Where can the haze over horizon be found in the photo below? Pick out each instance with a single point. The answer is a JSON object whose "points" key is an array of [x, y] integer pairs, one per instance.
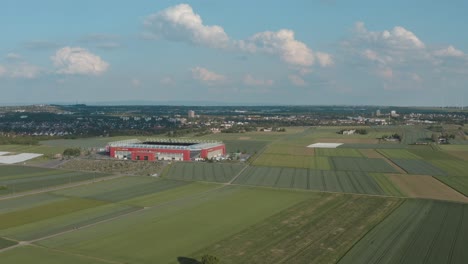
{"points": [[271, 52]]}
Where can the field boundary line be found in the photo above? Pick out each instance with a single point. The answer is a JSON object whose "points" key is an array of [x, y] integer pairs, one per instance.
{"points": [[436, 178], [60, 187], [393, 164]]}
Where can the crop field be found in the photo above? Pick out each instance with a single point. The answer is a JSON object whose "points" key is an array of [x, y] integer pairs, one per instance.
{"points": [[383, 145], [306, 232], [417, 232], [431, 154], [419, 167], [330, 181], [286, 149], [399, 154], [454, 147], [244, 146], [387, 185], [412, 135], [188, 224], [459, 154], [361, 164], [201, 171], [137, 186], [423, 186], [4, 243], [280, 160], [19, 178], [337, 152], [40, 255], [452, 167], [458, 183]]}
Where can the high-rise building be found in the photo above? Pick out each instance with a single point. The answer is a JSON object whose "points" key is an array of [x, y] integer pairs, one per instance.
{"points": [[191, 114], [378, 113]]}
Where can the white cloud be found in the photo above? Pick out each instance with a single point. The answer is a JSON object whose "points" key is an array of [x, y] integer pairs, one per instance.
{"points": [[19, 69], [251, 81], [13, 56], [296, 80], [24, 70], [204, 75], [450, 51], [283, 44], [167, 81], [181, 23], [76, 60], [397, 38]]}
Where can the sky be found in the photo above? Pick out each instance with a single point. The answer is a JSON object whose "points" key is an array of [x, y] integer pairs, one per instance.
{"points": [[298, 52]]}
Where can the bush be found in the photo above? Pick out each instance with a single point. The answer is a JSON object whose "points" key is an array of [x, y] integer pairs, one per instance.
{"points": [[209, 259], [72, 152]]}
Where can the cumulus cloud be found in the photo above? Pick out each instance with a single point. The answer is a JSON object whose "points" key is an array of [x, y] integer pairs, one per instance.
{"points": [[181, 23], [102, 41], [136, 83], [296, 80], [204, 75], [76, 60], [397, 38], [251, 81], [2, 70], [450, 51], [13, 56]]}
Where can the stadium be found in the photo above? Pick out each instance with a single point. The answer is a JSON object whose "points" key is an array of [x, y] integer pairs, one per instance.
{"points": [[153, 149]]}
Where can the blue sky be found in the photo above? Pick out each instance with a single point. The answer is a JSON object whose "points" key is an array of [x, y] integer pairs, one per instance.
{"points": [[266, 52]]}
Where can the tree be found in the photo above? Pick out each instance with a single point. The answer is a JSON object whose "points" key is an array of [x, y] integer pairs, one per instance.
{"points": [[71, 152], [209, 259]]}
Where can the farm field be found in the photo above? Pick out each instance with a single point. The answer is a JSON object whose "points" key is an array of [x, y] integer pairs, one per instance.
{"points": [[281, 160], [361, 164], [285, 149], [417, 232], [419, 167], [387, 185], [306, 232], [415, 134], [453, 167], [423, 186], [337, 152], [16, 178], [40, 255], [399, 154], [244, 146], [458, 183], [211, 172], [330, 181], [155, 231]]}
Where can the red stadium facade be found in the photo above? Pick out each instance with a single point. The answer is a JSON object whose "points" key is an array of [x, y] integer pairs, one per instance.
{"points": [[166, 149]]}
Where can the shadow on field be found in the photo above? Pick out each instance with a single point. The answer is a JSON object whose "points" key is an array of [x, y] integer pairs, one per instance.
{"points": [[184, 260]]}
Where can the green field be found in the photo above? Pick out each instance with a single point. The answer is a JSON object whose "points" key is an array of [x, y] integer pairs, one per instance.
{"points": [[42, 149], [337, 152], [458, 183], [4, 243], [16, 178], [414, 134], [39, 255], [398, 154], [419, 167], [244, 146], [387, 185], [188, 224], [202, 171], [361, 164], [417, 232], [318, 230], [307, 179], [452, 167], [281, 160]]}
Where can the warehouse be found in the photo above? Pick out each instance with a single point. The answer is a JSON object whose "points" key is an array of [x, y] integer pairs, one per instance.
{"points": [[165, 149]]}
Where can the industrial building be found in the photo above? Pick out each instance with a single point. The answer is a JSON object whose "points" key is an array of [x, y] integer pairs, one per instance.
{"points": [[165, 149]]}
